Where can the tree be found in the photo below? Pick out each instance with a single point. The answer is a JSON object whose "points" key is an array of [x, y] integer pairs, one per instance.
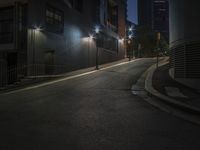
{"points": [[164, 46], [147, 40]]}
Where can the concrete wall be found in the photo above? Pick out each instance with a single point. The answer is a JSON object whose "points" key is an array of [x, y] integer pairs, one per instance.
{"points": [[69, 50], [185, 39], [184, 21]]}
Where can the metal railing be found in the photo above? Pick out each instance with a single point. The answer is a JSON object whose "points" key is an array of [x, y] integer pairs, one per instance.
{"points": [[14, 74]]}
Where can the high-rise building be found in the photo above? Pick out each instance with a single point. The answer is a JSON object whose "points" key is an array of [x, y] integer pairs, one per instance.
{"points": [[161, 17], [154, 14], [145, 13]]}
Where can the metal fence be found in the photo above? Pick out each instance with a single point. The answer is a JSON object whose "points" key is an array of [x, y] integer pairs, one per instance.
{"points": [[14, 74], [3, 73]]}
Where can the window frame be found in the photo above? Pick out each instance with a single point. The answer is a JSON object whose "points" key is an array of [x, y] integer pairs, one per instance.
{"points": [[55, 25], [9, 32]]}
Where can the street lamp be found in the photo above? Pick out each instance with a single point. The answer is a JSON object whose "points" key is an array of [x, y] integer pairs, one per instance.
{"points": [[130, 48], [121, 40], [158, 47], [130, 35], [130, 28], [91, 37], [38, 29], [97, 31], [139, 50]]}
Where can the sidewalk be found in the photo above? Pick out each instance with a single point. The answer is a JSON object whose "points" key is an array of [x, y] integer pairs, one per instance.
{"points": [[34, 80], [160, 85], [168, 95], [164, 84]]}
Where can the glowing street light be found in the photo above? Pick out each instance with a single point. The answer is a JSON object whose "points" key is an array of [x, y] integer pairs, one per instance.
{"points": [[91, 37], [158, 47], [121, 40], [37, 28], [97, 29], [131, 28], [130, 36]]}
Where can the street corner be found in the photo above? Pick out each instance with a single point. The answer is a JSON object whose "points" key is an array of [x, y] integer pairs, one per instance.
{"points": [[177, 98]]}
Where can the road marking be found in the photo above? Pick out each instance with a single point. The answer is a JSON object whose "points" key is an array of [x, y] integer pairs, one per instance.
{"points": [[66, 78]]}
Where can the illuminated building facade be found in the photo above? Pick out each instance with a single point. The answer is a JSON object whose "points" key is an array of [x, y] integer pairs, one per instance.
{"points": [[42, 37]]}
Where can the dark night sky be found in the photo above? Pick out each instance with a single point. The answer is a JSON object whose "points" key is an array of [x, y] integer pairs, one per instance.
{"points": [[132, 10]]}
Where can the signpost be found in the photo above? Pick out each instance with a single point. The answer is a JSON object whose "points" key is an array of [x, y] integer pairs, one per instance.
{"points": [[158, 48]]}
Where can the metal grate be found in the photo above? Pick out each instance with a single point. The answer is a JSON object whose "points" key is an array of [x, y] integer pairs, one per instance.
{"points": [[185, 59], [179, 63], [193, 60], [172, 57]]}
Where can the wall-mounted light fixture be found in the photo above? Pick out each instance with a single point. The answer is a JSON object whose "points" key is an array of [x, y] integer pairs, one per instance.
{"points": [[97, 29], [121, 40], [37, 28], [91, 37]]}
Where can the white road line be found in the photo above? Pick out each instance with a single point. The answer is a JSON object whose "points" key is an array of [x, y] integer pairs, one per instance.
{"points": [[67, 78]]}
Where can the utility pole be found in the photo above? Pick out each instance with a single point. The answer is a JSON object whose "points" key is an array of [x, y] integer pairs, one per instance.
{"points": [[139, 50], [158, 48], [97, 58], [97, 31]]}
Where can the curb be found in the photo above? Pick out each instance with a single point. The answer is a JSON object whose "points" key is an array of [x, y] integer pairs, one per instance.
{"points": [[170, 101], [182, 83]]}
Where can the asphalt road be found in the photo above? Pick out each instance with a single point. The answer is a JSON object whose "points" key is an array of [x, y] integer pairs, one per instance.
{"points": [[92, 112]]}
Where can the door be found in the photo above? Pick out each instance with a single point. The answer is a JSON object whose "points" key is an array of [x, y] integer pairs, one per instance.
{"points": [[3, 69], [12, 67], [49, 63]]}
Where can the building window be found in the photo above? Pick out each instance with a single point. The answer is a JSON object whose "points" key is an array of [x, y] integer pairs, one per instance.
{"points": [[112, 15], [108, 42], [54, 19], [6, 25]]}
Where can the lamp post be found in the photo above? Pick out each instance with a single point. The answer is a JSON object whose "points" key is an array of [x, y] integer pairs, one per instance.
{"points": [[139, 50], [158, 48], [97, 31], [129, 49], [129, 39], [129, 44]]}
